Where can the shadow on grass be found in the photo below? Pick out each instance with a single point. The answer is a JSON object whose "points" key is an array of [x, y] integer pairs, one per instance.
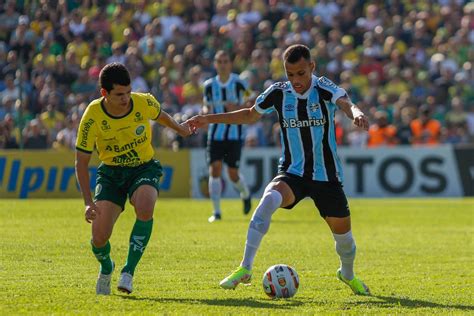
{"points": [[249, 302], [394, 301]]}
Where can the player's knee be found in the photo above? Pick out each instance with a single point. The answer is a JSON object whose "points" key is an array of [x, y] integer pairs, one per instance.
{"points": [[273, 199], [99, 240]]}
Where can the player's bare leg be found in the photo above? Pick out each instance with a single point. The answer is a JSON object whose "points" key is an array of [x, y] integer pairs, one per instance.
{"points": [[346, 249], [143, 199], [215, 189], [102, 226]]}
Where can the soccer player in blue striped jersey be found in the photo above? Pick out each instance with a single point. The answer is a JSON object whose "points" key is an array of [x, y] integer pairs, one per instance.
{"points": [[223, 93], [309, 165]]}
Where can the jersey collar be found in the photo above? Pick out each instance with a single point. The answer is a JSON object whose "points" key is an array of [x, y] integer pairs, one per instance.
{"points": [[223, 84], [102, 105], [306, 94]]}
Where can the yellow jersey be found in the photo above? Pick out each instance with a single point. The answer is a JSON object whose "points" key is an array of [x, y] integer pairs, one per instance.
{"points": [[120, 141]]}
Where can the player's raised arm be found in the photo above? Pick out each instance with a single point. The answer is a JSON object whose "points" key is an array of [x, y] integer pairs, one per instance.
{"points": [[243, 116], [353, 112], [183, 129]]}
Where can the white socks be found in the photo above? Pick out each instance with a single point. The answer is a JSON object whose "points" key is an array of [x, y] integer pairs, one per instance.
{"points": [[346, 249], [241, 186], [215, 190], [259, 225]]}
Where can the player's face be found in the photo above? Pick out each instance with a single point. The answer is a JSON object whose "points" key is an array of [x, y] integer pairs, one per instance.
{"points": [[299, 74], [223, 65], [119, 96]]}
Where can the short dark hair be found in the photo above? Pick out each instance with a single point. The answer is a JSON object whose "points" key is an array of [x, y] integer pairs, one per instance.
{"points": [[222, 52], [113, 73], [295, 52]]}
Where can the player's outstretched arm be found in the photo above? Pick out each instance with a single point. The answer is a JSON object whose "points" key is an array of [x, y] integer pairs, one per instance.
{"points": [[353, 112], [82, 175], [243, 116], [183, 129]]}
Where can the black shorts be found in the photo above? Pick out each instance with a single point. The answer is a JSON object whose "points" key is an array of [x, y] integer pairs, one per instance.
{"points": [[328, 197], [228, 151]]}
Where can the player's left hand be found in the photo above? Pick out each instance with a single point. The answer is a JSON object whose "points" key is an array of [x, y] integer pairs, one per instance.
{"points": [[187, 129], [362, 121]]}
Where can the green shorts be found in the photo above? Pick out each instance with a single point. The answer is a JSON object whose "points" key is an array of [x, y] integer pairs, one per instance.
{"points": [[114, 183]]}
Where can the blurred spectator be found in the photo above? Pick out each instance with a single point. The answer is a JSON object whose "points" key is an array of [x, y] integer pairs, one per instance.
{"points": [[12, 64], [371, 20], [51, 118], [248, 15], [404, 131], [192, 90], [35, 136], [425, 130], [11, 90], [382, 133], [327, 10], [389, 56], [7, 140], [457, 115], [83, 85], [357, 137], [8, 20], [66, 137]]}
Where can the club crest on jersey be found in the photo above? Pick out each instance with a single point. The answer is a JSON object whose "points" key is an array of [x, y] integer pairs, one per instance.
{"points": [[98, 189], [138, 117], [140, 129], [105, 125]]}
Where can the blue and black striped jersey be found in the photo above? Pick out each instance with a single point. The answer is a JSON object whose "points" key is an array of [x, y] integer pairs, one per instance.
{"points": [[307, 134], [216, 95]]}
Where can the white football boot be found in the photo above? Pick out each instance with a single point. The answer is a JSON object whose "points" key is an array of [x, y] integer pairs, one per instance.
{"points": [[103, 282], [125, 283]]}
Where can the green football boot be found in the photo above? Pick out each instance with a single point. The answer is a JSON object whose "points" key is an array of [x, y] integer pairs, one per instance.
{"points": [[356, 285], [240, 275]]}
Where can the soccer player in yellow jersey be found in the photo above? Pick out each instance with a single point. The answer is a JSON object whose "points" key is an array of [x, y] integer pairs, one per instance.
{"points": [[117, 125]]}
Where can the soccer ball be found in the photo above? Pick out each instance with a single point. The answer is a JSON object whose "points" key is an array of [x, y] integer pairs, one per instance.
{"points": [[280, 281]]}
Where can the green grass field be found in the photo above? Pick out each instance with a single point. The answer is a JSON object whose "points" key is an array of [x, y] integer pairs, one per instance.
{"points": [[415, 254]]}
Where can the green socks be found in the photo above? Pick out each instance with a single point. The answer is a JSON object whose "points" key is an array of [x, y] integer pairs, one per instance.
{"points": [[138, 240], [103, 256]]}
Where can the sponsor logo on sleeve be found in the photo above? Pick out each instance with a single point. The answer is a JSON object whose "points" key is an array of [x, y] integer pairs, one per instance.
{"points": [[85, 132]]}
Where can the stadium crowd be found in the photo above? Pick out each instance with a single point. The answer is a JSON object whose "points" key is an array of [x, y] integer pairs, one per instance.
{"points": [[407, 64]]}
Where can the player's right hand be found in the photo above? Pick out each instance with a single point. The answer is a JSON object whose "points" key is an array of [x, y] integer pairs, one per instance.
{"points": [[90, 212]]}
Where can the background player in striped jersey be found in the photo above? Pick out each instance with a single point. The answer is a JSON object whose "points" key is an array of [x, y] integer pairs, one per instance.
{"points": [[223, 93], [309, 165]]}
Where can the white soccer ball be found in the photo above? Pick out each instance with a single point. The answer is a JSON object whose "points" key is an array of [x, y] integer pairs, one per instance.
{"points": [[280, 281]]}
